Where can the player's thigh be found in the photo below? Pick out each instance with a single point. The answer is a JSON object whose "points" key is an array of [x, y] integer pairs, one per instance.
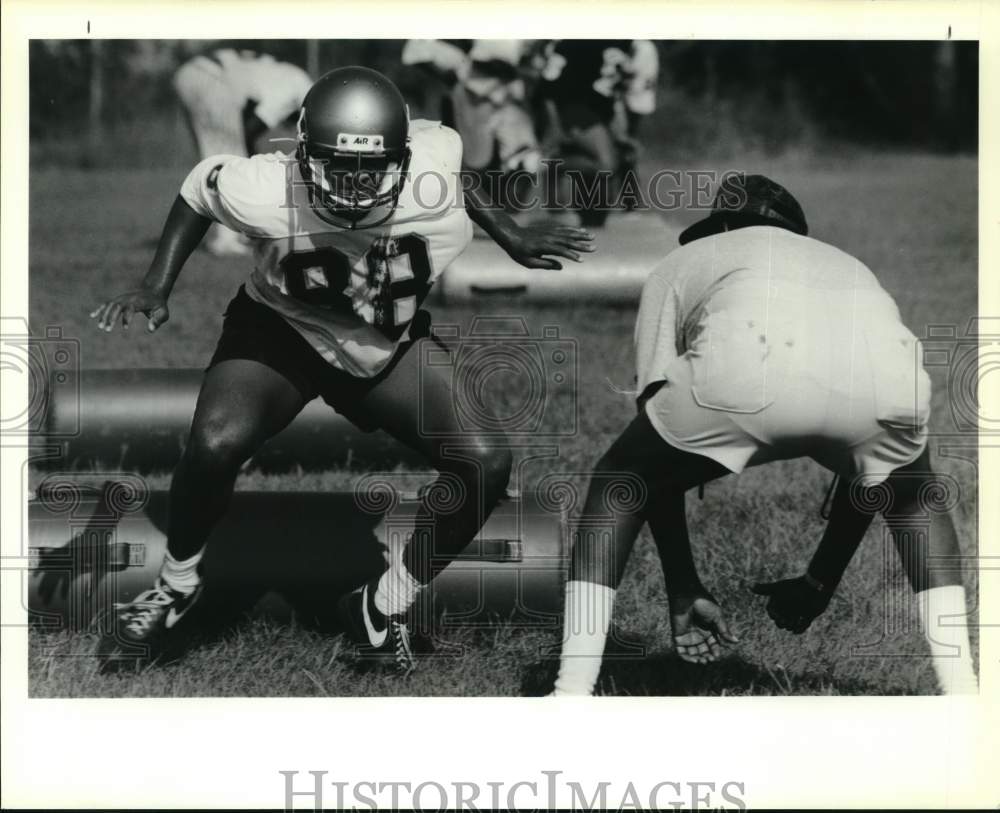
{"points": [[416, 404], [241, 404], [694, 431], [872, 452], [641, 452], [220, 121], [916, 487], [207, 99]]}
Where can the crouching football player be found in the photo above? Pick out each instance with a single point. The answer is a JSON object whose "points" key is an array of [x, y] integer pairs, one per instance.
{"points": [[756, 343], [345, 248]]}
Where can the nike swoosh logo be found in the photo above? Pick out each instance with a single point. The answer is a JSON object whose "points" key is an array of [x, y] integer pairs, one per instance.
{"points": [[173, 616], [375, 637]]}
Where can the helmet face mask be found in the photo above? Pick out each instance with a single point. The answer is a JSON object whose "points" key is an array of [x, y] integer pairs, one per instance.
{"points": [[353, 145], [351, 186]]}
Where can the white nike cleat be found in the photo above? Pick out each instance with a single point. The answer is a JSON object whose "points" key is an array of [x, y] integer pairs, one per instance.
{"points": [[143, 624]]}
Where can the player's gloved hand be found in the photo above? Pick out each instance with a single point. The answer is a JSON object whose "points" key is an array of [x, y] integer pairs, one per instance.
{"points": [[143, 300], [699, 627], [530, 245], [794, 604]]}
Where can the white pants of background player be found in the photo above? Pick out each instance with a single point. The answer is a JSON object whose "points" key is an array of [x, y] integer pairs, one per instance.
{"points": [[215, 113], [494, 125]]}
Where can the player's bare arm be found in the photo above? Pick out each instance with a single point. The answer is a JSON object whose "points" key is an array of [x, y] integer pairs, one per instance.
{"points": [[532, 246], [696, 618], [793, 604], [182, 232]]}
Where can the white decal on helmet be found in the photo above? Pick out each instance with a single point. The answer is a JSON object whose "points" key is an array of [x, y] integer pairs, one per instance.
{"points": [[354, 142]]}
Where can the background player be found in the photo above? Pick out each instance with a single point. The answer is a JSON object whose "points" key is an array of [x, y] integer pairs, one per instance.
{"points": [[484, 98], [594, 94], [346, 246], [231, 98], [756, 343]]}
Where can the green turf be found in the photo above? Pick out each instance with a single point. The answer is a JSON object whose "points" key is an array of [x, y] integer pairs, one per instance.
{"points": [[911, 218]]}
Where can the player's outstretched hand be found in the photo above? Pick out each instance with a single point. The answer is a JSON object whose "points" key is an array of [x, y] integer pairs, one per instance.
{"points": [[793, 604], [153, 305], [699, 628], [534, 246]]}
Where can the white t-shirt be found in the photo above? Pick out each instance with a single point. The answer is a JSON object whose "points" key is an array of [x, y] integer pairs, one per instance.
{"points": [[755, 308], [278, 88]]}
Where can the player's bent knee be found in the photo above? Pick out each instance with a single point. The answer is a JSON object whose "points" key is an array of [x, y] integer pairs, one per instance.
{"points": [[912, 486], [496, 468], [489, 465], [220, 446]]}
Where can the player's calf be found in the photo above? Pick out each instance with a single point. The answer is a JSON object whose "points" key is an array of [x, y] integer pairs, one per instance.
{"points": [[924, 535], [454, 508], [474, 478]]}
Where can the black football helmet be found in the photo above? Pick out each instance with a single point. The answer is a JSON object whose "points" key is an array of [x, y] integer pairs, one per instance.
{"points": [[353, 144]]}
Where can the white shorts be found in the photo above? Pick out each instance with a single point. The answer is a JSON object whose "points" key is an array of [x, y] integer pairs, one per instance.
{"points": [[838, 430], [215, 109]]}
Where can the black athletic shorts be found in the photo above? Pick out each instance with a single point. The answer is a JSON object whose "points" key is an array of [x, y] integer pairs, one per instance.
{"points": [[255, 332]]}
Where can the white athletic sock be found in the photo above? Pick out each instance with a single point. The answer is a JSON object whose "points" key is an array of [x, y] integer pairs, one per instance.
{"points": [[397, 590], [181, 576], [942, 616], [585, 629]]}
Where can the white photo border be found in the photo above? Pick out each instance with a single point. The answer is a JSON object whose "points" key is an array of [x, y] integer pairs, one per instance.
{"points": [[790, 752]]}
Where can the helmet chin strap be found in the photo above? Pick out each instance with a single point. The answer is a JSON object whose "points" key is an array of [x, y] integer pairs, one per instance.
{"points": [[342, 221]]}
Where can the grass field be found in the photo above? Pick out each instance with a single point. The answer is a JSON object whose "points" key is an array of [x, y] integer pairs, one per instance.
{"points": [[911, 218]]}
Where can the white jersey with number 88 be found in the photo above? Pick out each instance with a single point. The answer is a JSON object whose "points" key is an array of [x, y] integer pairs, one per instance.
{"points": [[351, 293]]}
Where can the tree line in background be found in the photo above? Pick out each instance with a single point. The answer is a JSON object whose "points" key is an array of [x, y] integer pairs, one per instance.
{"points": [[768, 95]]}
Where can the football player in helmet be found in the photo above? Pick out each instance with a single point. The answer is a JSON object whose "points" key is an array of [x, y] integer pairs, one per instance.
{"points": [[348, 236]]}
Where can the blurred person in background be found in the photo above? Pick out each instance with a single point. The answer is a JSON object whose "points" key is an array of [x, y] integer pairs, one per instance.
{"points": [[231, 98], [484, 100], [594, 95]]}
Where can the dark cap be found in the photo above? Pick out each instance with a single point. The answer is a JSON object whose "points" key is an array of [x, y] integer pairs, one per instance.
{"points": [[748, 200]]}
